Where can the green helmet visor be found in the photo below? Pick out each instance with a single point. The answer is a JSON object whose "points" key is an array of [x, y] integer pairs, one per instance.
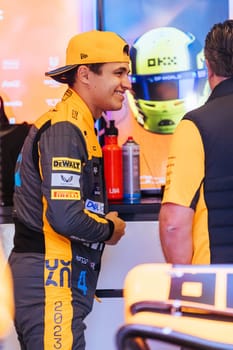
{"points": [[169, 86]]}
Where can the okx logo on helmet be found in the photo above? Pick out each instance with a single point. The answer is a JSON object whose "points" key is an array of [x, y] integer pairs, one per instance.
{"points": [[168, 77]]}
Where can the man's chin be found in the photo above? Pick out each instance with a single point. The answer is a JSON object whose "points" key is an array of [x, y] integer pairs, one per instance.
{"points": [[117, 106]]}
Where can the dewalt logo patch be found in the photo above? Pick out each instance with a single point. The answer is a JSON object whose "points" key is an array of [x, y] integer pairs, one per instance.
{"points": [[59, 163]]}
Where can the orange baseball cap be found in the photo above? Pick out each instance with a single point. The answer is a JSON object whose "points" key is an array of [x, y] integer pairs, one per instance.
{"points": [[92, 47]]}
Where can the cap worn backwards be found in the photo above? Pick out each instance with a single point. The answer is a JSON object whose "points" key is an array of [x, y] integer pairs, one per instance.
{"points": [[92, 47]]}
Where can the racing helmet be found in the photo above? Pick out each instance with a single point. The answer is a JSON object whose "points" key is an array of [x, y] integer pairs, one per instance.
{"points": [[168, 76]]}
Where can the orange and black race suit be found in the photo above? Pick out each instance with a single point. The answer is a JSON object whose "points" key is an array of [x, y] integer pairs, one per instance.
{"points": [[60, 227]]}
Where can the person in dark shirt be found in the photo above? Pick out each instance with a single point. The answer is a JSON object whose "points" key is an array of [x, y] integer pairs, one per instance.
{"points": [[11, 141]]}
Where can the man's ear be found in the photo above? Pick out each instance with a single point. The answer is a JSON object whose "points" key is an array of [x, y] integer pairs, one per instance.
{"points": [[212, 77], [210, 71], [83, 74]]}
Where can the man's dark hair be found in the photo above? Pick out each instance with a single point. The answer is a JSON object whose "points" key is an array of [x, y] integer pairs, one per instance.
{"points": [[218, 48], [70, 75]]}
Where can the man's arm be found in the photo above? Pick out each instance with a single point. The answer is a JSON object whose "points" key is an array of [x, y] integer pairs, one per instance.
{"points": [[175, 229]]}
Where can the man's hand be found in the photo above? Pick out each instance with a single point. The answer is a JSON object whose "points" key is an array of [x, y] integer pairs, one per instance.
{"points": [[119, 227]]}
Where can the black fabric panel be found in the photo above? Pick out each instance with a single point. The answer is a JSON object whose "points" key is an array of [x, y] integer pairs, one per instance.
{"points": [[27, 240]]}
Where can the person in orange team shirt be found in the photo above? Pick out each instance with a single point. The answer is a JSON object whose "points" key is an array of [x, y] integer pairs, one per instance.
{"points": [[196, 216]]}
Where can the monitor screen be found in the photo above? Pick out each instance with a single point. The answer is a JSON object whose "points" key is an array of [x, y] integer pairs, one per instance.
{"points": [[168, 72], [34, 37]]}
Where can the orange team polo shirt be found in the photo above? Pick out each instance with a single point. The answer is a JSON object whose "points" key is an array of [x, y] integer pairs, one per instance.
{"points": [[184, 178]]}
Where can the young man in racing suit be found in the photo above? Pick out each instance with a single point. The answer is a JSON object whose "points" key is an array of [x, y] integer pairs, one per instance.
{"points": [[62, 221]]}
